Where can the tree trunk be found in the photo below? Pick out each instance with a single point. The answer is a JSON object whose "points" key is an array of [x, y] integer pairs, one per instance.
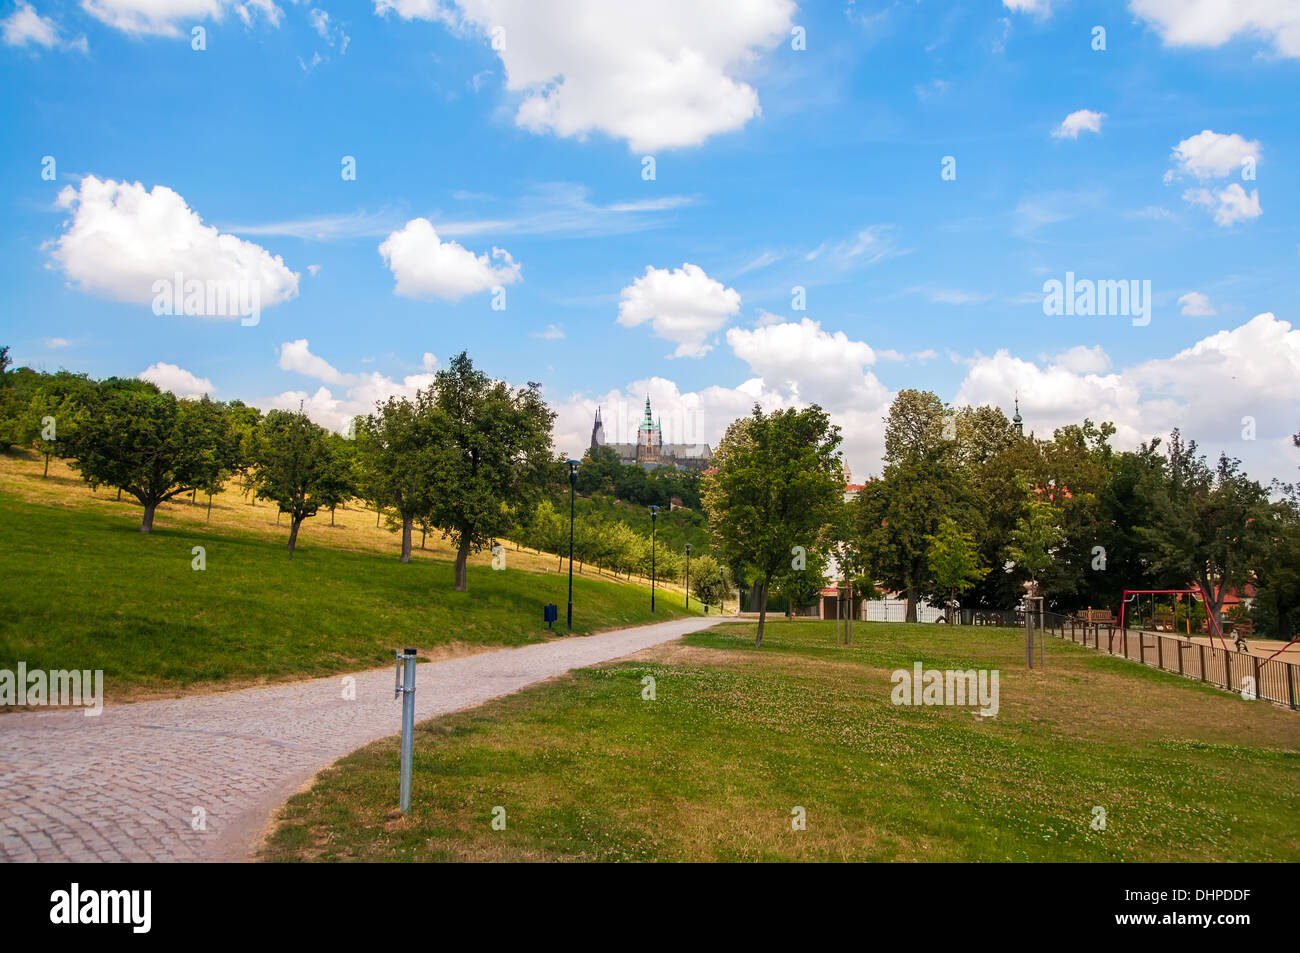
{"points": [[423, 531], [209, 507], [331, 515], [406, 539], [293, 536], [952, 606], [47, 467], [377, 508], [910, 616], [762, 613], [146, 526], [119, 494], [462, 557]]}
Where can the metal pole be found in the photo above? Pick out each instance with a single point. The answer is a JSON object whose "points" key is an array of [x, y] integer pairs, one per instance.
{"points": [[573, 482], [654, 516], [688, 575], [406, 688]]}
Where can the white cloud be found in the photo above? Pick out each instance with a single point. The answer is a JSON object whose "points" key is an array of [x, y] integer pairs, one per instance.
{"points": [[1081, 120], [53, 343], [1212, 155], [313, 270], [1196, 305], [660, 76], [121, 239], [425, 266], [295, 356], [1084, 360], [809, 363], [177, 380], [552, 333], [1214, 22], [24, 26], [1229, 205], [1205, 390], [683, 305], [360, 392], [164, 17], [1038, 8]]}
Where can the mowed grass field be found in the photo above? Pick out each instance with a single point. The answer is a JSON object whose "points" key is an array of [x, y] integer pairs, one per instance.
{"points": [[736, 738], [81, 588]]}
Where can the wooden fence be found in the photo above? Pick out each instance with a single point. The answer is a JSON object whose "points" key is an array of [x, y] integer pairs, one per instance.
{"points": [[1275, 680]]}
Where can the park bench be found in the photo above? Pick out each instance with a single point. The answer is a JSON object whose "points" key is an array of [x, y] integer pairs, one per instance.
{"points": [[1164, 621]]}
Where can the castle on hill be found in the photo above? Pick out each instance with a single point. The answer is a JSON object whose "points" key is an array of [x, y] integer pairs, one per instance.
{"points": [[650, 451]]}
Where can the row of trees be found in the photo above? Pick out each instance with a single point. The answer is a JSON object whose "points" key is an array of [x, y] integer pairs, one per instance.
{"points": [[460, 457], [969, 507], [616, 547]]}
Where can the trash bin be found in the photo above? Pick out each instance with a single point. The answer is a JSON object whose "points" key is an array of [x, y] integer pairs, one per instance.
{"points": [[550, 612]]}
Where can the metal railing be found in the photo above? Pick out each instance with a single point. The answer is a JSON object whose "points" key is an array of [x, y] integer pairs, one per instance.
{"points": [[1273, 680]]}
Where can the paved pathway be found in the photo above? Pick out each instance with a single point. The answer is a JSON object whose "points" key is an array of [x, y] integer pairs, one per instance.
{"points": [[124, 786]]}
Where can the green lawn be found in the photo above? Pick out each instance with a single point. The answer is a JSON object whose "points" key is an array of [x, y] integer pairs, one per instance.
{"points": [[737, 737], [81, 588]]}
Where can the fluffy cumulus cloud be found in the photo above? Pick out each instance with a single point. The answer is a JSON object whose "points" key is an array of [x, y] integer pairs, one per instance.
{"points": [[340, 396], [1196, 305], [177, 380], [1210, 155], [425, 266], [658, 75], [683, 305], [1211, 23], [168, 17], [1206, 390], [1081, 120], [122, 239], [790, 364]]}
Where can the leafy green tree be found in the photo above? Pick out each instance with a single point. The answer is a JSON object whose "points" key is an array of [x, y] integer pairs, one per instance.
{"points": [[801, 587], [293, 462], [491, 451], [395, 450], [339, 483], [219, 444], [1204, 522], [774, 486], [709, 582], [1278, 581], [136, 438], [1034, 541], [954, 561]]}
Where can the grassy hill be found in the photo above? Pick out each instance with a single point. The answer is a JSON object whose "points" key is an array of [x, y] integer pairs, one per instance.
{"points": [[736, 738], [81, 588]]}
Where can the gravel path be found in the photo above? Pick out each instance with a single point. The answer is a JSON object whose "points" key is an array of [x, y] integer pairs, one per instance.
{"points": [[131, 784]]}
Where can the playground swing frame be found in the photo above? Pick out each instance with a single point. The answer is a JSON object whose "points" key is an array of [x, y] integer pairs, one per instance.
{"points": [[1212, 626]]}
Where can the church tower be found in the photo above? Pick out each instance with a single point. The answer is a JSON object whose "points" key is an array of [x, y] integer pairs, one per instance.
{"points": [[597, 432], [1019, 424]]}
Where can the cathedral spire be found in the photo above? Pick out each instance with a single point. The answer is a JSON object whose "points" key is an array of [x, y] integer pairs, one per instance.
{"points": [[1019, 424]]}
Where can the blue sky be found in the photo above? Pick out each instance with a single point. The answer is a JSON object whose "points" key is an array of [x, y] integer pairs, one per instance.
{"points": [[774, 168]]}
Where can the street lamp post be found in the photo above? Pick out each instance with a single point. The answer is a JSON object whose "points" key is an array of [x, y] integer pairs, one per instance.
{"points": [[688, 575], [573, 484], [654, 515]]}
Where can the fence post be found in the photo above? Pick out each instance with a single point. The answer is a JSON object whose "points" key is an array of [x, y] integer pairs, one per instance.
{"points": [[1290, 683], [1227, 670], [1202, 648], [1259, 684], [1160, 652]]}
